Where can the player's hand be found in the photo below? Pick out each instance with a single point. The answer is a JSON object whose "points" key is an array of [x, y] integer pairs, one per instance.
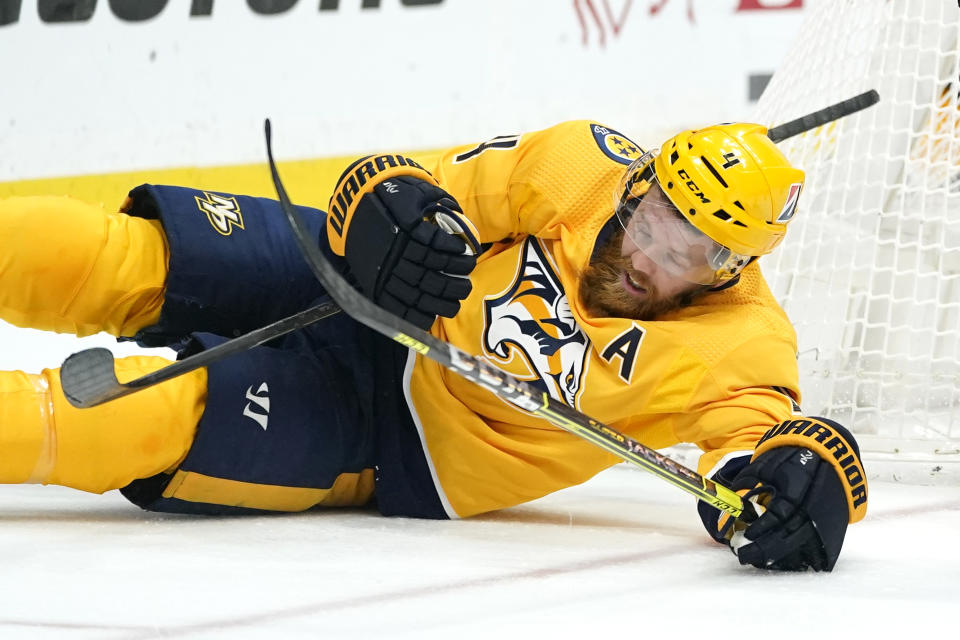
{"points": [[410, 248], [807, 480]]}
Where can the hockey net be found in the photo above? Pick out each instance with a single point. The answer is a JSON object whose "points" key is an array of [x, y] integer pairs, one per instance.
{"points": [[870, 270]]}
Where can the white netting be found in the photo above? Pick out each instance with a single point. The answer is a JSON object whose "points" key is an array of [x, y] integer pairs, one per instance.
{"points": [[870, 270]]}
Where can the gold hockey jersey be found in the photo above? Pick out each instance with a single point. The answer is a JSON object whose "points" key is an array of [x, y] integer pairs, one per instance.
{"points": [[718, 373]]}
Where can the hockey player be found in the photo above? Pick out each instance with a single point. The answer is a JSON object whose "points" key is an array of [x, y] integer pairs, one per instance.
{"points": [[647, 312]]}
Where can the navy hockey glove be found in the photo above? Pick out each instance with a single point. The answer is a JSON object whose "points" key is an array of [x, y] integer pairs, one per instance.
{"points": [[808, 480], [406, 240]]}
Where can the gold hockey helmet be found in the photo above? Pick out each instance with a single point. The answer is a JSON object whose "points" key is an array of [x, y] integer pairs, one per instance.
{"points": [[730, 182]]}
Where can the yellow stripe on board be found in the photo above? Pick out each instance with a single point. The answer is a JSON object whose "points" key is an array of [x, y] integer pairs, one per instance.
{"points": [[349, 489], [309, 182]]}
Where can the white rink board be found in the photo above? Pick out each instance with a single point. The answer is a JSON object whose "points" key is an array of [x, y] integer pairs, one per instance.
{"points": [[102, 94]]}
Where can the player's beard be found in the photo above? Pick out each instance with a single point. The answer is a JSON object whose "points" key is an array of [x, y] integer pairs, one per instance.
{"points": [[603, 296]]}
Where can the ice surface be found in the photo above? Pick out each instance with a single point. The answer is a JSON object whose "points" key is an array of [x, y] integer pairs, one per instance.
{"points": [[623, 555]]}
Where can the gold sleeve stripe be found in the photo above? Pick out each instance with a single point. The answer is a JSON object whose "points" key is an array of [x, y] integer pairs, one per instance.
{"points": [[349, 489], [830, 445]]}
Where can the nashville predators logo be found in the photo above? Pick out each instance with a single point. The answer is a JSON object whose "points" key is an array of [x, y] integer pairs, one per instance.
{"points": [[616, 145], [530, 332], [223, 212]]}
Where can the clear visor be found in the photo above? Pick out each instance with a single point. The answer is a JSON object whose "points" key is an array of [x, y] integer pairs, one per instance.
{"points": [[664, 235]]}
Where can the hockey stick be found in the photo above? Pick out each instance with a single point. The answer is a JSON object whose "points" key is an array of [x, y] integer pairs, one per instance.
{"points": [[823, 116], [493, 379], [88, 377]]}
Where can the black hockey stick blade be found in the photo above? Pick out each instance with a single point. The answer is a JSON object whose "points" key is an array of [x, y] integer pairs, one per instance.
{"points": [[823, 116], [88, 377], [493, 379]]}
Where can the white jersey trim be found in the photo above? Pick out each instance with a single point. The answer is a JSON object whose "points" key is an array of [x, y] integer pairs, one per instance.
{"points": [[407, 374]]}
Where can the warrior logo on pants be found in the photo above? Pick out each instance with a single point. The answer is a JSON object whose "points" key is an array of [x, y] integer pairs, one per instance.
{"points": [[262, 400]]}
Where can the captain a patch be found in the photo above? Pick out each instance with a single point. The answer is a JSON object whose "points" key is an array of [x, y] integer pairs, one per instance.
{"points": [[615, 145]]}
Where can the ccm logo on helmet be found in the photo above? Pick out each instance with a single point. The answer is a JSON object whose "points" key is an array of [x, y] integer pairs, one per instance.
{"points": [[692, 186]]}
